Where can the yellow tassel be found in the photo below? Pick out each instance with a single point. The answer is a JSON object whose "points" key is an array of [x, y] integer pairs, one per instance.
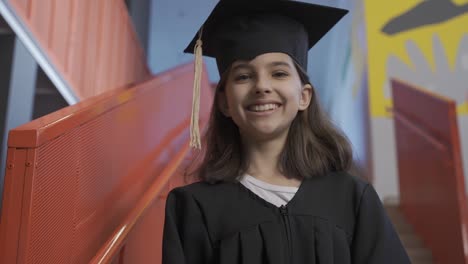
{"points": [[195, 141]]}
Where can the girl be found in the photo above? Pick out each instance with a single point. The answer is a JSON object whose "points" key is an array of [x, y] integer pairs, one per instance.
{"points": [[274, 186]]}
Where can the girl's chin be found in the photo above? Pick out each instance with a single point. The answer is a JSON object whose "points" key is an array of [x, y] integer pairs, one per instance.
{"points": [[265, 133]]}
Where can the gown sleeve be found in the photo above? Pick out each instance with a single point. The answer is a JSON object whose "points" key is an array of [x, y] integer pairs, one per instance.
{"points": [[185, 236], [375, 241]]}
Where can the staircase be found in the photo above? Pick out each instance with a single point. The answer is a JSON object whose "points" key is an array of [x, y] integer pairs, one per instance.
{"points": [[412, 243]]}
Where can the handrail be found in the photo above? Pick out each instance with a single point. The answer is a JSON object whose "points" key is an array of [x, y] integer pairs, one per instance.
{"points": [[116, 241], [430, 138], [43, 129]]}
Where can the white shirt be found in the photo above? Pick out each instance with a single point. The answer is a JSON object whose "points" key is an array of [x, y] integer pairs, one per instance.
{"points": [[274, 194]]}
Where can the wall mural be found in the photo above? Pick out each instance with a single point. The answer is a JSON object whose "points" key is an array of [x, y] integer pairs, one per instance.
{"points": [[421, 42]]}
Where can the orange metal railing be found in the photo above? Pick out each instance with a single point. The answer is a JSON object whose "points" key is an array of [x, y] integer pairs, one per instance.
{"points": [[112, 248], [79, 176], [91, 43], [432, 189]]}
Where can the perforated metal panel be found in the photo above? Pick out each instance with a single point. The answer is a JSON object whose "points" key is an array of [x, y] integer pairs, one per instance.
{"points": [[80, 171], [53, 193]]}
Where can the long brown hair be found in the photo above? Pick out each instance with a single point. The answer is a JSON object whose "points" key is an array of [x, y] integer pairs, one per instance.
{"points": [[314, 146]]}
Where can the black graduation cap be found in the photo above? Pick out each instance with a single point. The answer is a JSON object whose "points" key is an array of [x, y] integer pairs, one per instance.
{"points": [[244, 29]]}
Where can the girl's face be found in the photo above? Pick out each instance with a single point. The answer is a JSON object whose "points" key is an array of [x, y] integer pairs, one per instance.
{"points": [[264, 95]]}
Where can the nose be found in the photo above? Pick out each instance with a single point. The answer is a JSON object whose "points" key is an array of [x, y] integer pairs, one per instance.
{"points": [[263, 85]]}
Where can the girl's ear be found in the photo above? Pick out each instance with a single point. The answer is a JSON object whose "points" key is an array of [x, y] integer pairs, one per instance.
{"points": [[306, 96], [222, 104]]}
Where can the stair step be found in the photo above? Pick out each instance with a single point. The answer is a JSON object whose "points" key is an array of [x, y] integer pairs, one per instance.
{"points": [[401, 226], [398, 220], [421, 255], [412, 243]]}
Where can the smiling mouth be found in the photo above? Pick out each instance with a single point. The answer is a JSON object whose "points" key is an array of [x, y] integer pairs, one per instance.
{"points": [[263, 107]]}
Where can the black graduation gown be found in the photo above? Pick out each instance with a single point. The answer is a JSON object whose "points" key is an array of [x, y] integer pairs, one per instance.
{"points": [[336, 218]]}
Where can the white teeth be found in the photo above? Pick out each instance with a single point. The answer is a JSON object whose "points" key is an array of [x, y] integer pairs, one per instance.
{"points": [[262, 108]]}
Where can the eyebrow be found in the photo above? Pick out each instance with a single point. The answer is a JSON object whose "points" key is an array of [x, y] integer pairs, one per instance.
{"points": [[279, 63], [271, 64], [241, 66]]}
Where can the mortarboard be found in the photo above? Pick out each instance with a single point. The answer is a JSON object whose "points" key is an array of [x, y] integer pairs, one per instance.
{"points": [[244, 29]]}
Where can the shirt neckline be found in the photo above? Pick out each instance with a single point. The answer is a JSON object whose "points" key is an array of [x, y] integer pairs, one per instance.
{"points": [[268, 186], [267, 203]]}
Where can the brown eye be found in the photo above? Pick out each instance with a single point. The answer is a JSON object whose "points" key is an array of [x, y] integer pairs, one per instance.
{"points": [[280, 74], [242, 77]]}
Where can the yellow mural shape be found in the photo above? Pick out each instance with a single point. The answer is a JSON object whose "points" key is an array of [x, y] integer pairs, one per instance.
{"points": [[381, 46], [460, 2]]}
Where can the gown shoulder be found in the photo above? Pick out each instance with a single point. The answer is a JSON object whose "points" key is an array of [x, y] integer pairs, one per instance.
{"points": [[335, 218]]}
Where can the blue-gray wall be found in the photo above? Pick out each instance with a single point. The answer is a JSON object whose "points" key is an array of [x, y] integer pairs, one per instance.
{"points": [[172, 26]]}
